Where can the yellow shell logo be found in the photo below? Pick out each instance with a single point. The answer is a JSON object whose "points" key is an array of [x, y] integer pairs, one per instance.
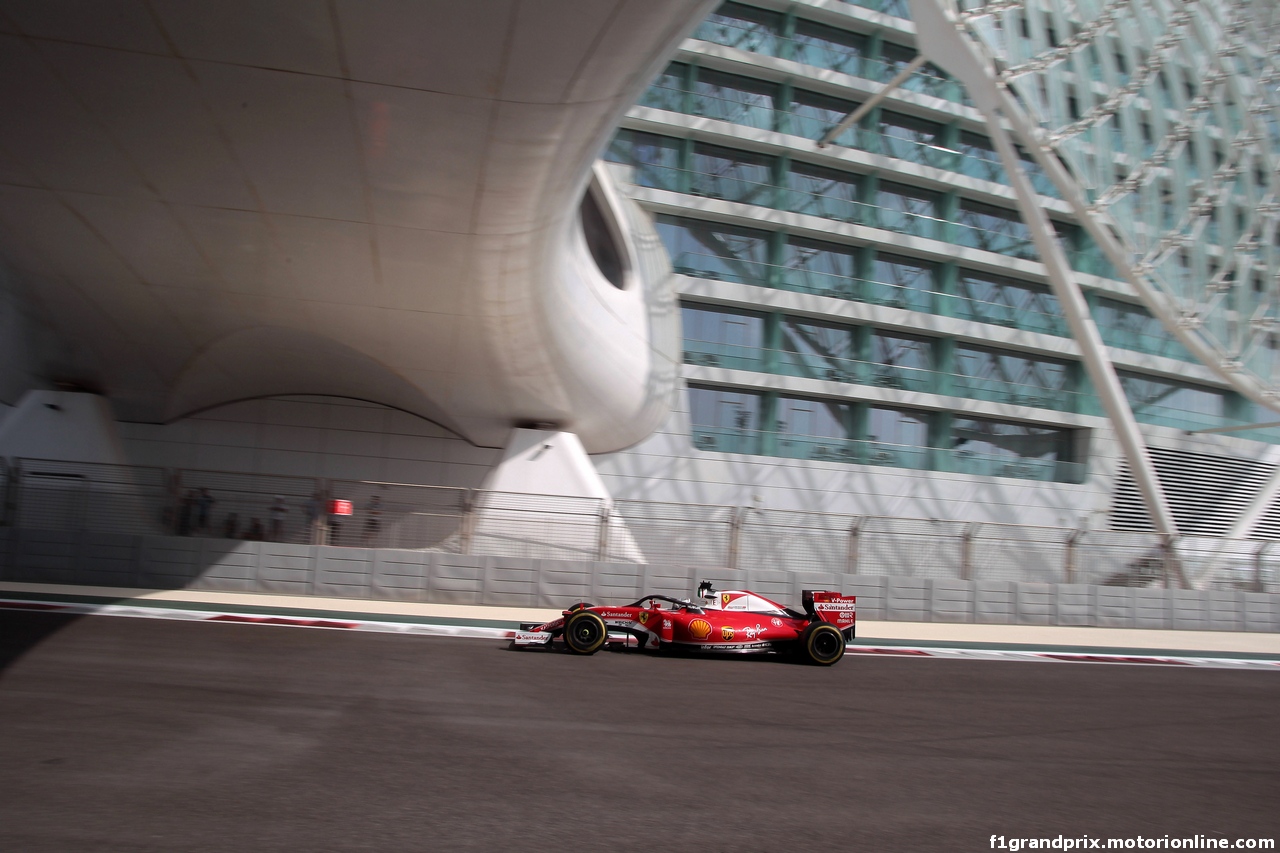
{"points": [[724, 598], [726, 633], [699, 629], [644, 616]]}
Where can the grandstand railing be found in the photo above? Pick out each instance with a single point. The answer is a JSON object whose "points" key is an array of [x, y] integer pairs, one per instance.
{"points": [[65, 496]]}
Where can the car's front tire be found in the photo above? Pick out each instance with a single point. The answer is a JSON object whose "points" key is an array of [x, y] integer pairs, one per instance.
{"points": [[585, 633], [822, 643]]}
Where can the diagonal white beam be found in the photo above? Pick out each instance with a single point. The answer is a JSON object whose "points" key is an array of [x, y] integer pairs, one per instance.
{"points": [[940, 38]]}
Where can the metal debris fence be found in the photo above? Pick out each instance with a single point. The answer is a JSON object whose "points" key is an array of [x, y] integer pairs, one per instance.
{"points": [[50, 495]]}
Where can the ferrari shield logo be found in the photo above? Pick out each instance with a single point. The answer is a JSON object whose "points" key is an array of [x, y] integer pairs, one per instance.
{"points": [[644, 616], [726, 633], [724, 598]]}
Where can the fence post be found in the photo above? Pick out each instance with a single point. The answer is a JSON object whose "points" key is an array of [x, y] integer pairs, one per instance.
{"points": [[1258, 555], [602, 543], [735, 535], [966, 551], [169, 515], [1069, 558], [1171, 566], [855, 534], [468, 520], [320, 524], [9, 509]]}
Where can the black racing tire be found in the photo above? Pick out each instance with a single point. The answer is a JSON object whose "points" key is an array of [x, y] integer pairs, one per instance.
{"points": [[821, 644], [585, 633]]}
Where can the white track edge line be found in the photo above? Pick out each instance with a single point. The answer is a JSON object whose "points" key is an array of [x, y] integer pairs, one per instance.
{"points": [[488, 633]]}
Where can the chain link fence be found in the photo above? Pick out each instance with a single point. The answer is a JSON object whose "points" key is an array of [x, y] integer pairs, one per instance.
{"points": [[1012, 552], [543, 526], [396, 515], [49, 495], [795, 541], [245, 506], [52, 495], [683, 534], [910, 547]]}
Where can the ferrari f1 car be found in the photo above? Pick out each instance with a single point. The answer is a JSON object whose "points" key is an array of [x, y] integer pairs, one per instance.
{"points": [[733, 621]]}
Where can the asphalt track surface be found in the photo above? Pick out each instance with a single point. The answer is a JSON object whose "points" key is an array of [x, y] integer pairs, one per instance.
{"points": [[146, 735]]}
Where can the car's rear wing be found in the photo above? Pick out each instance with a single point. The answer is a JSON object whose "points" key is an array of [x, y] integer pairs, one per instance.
{"points": [[839, 610]]}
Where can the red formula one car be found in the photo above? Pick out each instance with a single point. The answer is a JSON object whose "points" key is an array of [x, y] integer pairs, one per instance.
{"points": [[732, 621]]}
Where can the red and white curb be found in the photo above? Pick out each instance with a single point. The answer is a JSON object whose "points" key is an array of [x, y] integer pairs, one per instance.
{"points": [[482, 632]]}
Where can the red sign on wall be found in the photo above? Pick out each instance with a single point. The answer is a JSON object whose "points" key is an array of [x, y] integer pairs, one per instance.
{"points": [[340, 508]]}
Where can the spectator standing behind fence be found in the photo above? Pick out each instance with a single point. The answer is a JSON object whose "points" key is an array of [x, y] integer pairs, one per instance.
{"points": [[185, 509], [278, 512], [373, 520], [254, 532], [204, 503]]}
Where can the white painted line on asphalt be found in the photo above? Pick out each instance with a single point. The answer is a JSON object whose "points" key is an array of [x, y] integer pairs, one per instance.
{"points": [[1040, 656], [491, 633]]}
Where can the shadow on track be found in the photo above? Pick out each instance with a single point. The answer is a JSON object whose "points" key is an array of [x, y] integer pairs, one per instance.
{"points": [[23, 630]]}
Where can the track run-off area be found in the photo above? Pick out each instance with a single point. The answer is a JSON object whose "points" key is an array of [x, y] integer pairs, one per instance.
{"points": [[123, 734]]}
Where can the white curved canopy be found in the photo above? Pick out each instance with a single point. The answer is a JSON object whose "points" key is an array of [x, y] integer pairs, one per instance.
{"points": [[375, 199]]}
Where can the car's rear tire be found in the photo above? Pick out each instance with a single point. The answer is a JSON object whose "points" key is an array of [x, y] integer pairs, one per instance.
{"points": [[822, 643], [585, 633]]}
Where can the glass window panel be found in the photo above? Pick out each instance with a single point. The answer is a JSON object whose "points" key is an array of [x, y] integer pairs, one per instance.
{"points": [[994, 229], [1128, 326], [1004, 376], [819, 418], [816, 350], [711, 250], [812, 267], [901, 361], [812, 115], [981, 158], [907, 210], [823, 192], [824, 340], [1010, 440], [724, 420], [718, 407], [1008, 302], [742, 27], [910, 138], [905, 283], [667, 92], [732, 175], [895, 350], [1159, 400], [898, 427], [929, 80], [722, 326], [735, 99], [655, 159], [828, 47]]}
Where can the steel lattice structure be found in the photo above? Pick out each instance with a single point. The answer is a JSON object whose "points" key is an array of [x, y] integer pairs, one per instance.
{"points": [[1166, 113]]}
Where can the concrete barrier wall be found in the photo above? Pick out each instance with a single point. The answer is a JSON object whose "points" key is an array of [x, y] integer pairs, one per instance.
{"points": [[170, 562]]}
